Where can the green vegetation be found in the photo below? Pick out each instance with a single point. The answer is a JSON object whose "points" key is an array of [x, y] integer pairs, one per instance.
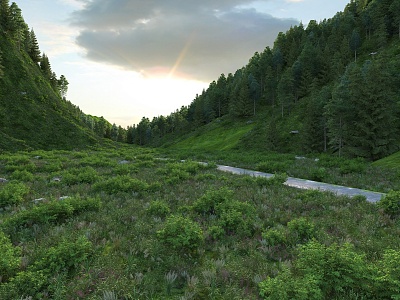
{"points": [[173, 229]]}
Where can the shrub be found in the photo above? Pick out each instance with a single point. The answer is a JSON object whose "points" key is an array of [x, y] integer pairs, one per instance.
{"points": [[236, 217], [390, 203], [52, 212], [23, 175], [9, 258], [158, 208], [80, 175], [13, 193], [64, 257], [275, 236], [208, 203], [387, 278], [273, 166], [301, 229], [120, 184], [275, 180], [27, 283], [181, 233], [353, 166], [320, 272]]}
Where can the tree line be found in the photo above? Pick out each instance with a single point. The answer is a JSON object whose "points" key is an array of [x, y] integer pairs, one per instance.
{"points": [[339, 68]]}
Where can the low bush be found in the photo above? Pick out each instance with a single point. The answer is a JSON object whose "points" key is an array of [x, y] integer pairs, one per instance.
{"points": [[52, 212], [181, 233], [80, 175], [390, 203], [208, 203], [23, 175], [158, 208], [121, 184], [13, 193], [10, 259]]}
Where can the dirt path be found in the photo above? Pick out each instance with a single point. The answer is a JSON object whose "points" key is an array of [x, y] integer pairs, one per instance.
{"points": [[309, 184]]}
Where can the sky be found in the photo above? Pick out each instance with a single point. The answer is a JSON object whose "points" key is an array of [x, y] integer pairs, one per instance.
{"points": [[128, 59]]}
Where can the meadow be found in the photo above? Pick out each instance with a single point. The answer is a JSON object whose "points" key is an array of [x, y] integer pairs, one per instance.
{"points": [[124, 222]]}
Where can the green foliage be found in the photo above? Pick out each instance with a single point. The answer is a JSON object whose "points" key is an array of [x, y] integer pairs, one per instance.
{"points": [[390, 203], [52, 212], [80, 175], [65, 257], [302, 229], [236, 217], [320, 272], [22, 175], [387, 275], [121, 184], [158, 208], [275, 236], [10, 259], [27, 283], [208, 203], [275, 180], [13, 193], [181, 233]]}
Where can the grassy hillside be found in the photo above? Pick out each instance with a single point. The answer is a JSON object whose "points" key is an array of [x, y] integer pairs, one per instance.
{"points": [[119, 223], [32, 114], [220, 135], [392, 161]]}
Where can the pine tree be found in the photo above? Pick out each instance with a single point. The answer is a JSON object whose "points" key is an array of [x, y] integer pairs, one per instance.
{"points": [[395, 10], [1, 66], [4, 15], [33, 47], [45, 66], [18, 26], [355, 42]]}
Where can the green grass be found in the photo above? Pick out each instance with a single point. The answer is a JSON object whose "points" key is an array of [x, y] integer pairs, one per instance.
{"points": [[224, 136], [167, 229], [392, 161]]}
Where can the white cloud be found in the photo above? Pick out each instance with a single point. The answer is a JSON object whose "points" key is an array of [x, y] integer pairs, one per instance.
{"points": [[197, 39]]}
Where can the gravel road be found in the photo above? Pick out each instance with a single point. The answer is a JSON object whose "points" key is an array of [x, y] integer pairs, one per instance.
{"points": [[309, 184]]}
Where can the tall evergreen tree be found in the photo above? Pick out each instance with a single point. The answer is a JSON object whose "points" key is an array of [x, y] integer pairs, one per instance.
{"points": [[4, 15], [395, 10], [45, 66], [355, 42], [17, 24], [33, 47]]}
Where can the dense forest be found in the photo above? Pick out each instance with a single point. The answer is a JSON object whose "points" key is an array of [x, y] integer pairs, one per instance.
{"points": [[339, 77]]}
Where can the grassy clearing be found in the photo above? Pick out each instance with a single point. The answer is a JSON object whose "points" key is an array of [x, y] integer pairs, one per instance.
{"points": [[392, 161], [119, 223], [220, 137]]}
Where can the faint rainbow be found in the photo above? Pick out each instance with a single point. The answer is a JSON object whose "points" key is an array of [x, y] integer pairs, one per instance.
{"points": [[181, 56]]}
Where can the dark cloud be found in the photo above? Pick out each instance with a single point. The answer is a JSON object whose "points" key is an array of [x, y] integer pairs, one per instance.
{"points": [[201, 39]]}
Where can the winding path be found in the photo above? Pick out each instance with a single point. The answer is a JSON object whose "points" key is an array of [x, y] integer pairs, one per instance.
{"points": [[309, 184]]}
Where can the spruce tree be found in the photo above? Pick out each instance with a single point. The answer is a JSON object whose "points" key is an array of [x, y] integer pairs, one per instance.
{"points": [[4, 15], [33, 47], [18, 26]]}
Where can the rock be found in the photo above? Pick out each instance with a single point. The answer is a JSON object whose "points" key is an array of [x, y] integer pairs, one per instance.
{"points": [[36, 201], [3, 180], [123, 162], [56, 179], [63, 198]]}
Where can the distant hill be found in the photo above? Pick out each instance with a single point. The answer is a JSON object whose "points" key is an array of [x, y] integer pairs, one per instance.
{"points": [[33, 113]]}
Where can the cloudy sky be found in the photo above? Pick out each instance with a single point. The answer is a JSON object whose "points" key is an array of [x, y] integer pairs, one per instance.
{"points": [[125, 59]]}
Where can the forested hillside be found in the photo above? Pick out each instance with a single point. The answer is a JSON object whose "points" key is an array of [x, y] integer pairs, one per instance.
{"points": [[34, 112], [335, 84]]}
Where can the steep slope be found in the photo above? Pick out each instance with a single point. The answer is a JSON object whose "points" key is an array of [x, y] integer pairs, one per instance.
{"points": [[32, 113]]}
